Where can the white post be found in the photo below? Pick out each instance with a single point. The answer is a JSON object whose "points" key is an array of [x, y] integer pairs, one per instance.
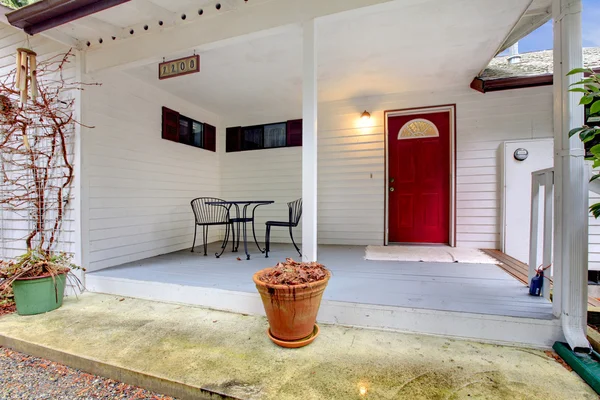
{"points": [[571, 184], [547, 249], [534, 225], [309, 142], [80, 192]]}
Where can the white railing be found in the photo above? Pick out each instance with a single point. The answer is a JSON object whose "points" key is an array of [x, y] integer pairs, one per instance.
{"points": [[541, 179]]}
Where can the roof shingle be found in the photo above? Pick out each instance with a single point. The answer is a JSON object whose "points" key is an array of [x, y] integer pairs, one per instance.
{"points": [[534, 63]]}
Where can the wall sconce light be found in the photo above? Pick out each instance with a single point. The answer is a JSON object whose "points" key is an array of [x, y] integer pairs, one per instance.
{"points": [[365, 116]]}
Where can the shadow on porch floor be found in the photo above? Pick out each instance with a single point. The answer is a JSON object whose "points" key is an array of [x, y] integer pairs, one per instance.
{"points": [[188, 352]]}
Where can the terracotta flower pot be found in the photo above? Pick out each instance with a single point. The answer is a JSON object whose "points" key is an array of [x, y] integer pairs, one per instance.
{"points": [[291, 310]]}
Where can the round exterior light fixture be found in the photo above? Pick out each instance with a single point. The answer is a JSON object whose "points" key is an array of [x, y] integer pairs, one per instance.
{"points": [[365, 115]]}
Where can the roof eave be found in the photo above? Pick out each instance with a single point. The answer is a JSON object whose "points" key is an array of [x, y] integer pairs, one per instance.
{"points": [[47, 14], [517, 82], [494, 85]]}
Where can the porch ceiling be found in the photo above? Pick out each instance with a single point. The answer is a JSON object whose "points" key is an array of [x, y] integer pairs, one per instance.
{"points": [[392, 47]]}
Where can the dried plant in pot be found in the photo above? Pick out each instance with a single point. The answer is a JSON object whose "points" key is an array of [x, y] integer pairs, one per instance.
{"points": [[291, 293], [37, 129], [37, 280]]}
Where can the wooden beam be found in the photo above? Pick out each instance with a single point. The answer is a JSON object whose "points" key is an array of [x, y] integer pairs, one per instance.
{"points": [[539, 11], [154, 11], [102, 27], [531, 19], [527, 24], [247, 18]]}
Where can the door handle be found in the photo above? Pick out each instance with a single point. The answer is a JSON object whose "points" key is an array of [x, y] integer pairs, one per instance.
{"points": [[391, 189]]}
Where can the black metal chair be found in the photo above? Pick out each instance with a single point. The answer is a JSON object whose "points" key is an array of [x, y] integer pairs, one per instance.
{"points": [[209, 215], [295, 212]]}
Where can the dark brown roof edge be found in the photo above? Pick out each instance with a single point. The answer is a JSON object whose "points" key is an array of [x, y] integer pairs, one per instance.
{"points": [[47, 14], [520, 82], [494, 85]]}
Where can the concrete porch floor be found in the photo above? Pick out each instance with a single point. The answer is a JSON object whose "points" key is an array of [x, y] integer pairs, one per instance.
{"points": [[188, 352]]}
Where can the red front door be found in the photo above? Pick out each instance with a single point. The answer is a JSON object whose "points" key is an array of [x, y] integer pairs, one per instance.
{"points": [[419, 178]]}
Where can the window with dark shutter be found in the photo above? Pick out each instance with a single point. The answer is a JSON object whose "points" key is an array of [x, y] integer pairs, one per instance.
{"points": [[233, 139], [185, 130], [267, 136], [294, 133], [210, 137], [170, 124]]}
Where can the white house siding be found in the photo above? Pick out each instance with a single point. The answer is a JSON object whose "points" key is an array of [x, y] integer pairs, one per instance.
{"points": [[351, 163], [140, 185], [594, 235], [15, 225]]}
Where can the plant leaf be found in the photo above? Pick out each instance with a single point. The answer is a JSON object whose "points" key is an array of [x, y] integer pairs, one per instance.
{"points": [[594, 177], [595, 149], [593, 88], [580, 90], [583, 82], [578, 71], [586, 99], [595, 210], [587, 134], [595, 108], [575, 130]]}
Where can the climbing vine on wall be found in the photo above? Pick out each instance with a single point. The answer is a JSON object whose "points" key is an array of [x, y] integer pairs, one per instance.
{"points": [[36, 150]]}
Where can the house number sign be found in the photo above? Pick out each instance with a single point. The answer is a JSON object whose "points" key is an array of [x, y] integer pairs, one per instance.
{"points": [[181, 66]]}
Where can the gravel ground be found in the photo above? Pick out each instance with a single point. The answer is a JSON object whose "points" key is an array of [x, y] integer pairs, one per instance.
{"points": [[26, 377], [7, 309]]}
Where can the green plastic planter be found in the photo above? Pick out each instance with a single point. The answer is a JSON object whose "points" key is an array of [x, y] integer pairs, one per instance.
{"points": [[39, 295]]}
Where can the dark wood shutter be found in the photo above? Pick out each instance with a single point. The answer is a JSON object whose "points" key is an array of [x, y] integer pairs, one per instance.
{"points": [[294, 133], [233, 139], [170, 124], [210, 137]]}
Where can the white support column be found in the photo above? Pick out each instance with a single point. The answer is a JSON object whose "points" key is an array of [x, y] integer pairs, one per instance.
{"points": [[80, 183], [571, 183], [533, 226], [547, 252], [309, 142]]}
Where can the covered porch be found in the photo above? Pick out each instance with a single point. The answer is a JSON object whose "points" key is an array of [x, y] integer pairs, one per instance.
{"points": [[476, 301], [326, 63]]}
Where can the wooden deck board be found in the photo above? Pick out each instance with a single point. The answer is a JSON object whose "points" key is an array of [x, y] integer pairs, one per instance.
{"points": [[513, 266], [521, 270]]}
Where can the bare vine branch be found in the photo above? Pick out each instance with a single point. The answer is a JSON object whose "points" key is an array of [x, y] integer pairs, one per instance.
{"points": [[36, 138]]}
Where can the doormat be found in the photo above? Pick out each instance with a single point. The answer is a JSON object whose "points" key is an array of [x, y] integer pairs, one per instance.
{"points": [[443, 254]]}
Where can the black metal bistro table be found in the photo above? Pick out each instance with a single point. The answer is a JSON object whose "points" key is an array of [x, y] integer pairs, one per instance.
{"points": [[240, 220]]}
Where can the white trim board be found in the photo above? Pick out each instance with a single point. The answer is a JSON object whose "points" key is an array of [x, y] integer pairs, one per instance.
{"points": [[529, 332]]}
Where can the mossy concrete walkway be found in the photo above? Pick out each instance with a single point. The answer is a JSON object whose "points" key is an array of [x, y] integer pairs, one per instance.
{"points": [[191, 352]]}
